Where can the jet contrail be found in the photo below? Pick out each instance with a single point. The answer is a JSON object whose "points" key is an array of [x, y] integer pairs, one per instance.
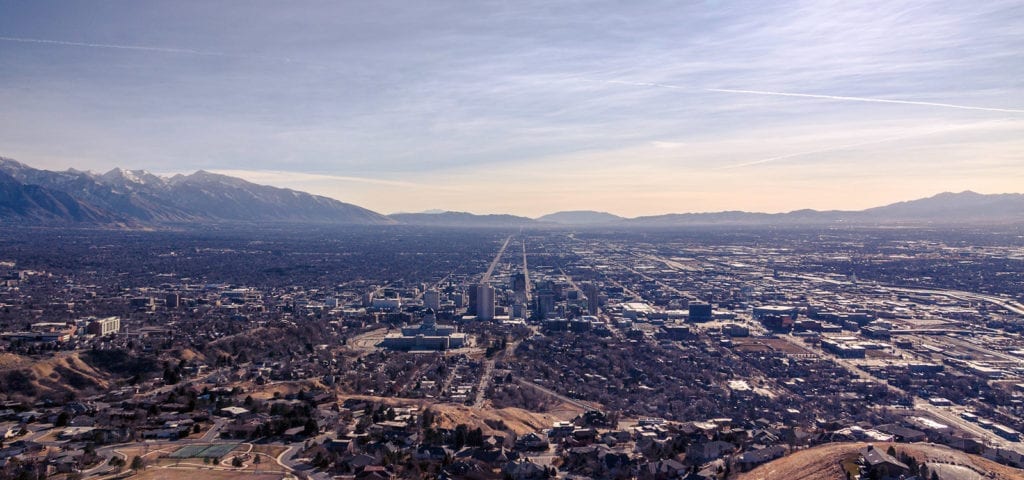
{"points": [[816, 96], [811, 152], [861, 99], [144, 48], [43, 41], [647, 84], [842, 147]]}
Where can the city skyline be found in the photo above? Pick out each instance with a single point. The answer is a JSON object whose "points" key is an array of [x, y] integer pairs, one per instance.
{"points": [[529, 108]]}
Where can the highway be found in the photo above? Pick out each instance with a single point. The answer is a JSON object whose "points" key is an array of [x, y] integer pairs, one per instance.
{"points": [[1008, 304], [494, 263], [559, 396], [526, 271]]}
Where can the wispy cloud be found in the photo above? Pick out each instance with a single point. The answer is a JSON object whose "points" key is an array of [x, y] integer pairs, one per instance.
{"points": [[285, 177], [842, 98], [978, 126], [619, 103], [861, 99]]}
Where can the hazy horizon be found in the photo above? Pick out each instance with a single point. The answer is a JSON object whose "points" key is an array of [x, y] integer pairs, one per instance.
{"points": [[529, 108]]}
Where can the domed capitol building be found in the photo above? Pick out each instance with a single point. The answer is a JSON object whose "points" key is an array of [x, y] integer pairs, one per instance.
{"points": [[428, 335]]}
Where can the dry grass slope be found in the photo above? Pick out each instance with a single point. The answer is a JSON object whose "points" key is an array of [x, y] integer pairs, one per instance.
{"points": [[55, 376], [822, 463]]}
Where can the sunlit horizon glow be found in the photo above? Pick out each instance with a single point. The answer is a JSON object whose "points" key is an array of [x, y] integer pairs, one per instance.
{"points": [[529, 107]]}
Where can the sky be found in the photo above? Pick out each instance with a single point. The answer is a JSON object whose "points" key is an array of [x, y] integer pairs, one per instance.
{"points": [[528, 107]]}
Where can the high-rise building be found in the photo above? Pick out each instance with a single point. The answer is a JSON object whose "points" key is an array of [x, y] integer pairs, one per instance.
{"points": [[173, 300], [143, 303], [544, 304], [471, 301], [519, 282], [104, 326], [432, 300], [700, 312], [485, 302], [593, 298]]}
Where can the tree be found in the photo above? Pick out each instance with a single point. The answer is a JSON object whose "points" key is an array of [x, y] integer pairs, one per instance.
{"points": [[475, 437], [310, 428], [460, 436], [62, 420], [236, 462], [138, 463], [891, 451]]}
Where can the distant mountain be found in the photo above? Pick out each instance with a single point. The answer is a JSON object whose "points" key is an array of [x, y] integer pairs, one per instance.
{"points": [[230, 198], [715, 218], [963, 207], [39, 204], [139, 197], [461, 219], [581, 217], [968, 208]]}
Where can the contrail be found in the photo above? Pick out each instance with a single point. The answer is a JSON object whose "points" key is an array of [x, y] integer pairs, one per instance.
{"points": [[186, 51], [647, 84], [841, 147], [144, 48], [812, 152], [816, 96], [862, 99]]}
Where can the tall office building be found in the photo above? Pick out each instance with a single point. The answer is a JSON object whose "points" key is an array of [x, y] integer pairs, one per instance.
{"points": [[471, 300], [485, 302], [172, 300], [544, 304], [593, 298], [432, 300], [519, 282]]}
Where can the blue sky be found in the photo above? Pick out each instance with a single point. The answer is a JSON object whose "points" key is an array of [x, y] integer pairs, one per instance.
{"points": [[528, 107]]}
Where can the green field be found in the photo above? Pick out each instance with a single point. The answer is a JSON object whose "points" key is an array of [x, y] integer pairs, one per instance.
{"points": [[204, 451]]}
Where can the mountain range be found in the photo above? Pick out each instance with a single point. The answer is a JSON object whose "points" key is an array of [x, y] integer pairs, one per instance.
{"points": [[139, 198]]}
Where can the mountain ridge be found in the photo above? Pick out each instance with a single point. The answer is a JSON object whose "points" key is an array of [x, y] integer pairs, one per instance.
{"points": [[137, 197], [965, 207], [140, 198]]}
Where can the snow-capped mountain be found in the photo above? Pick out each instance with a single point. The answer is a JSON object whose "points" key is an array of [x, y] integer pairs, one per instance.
{"points": [[140, 197]]}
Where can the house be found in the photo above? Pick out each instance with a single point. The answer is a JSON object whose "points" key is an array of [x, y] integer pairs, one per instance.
{"points": [[903, 434], [753, 458], [705, 452], [374, 472], [524, 470], [498, 456], [9, 430], [232, 412], [76, 433], [295, 434], [599, 460], [432, 453], [881, 465], [339, 446], [66, 463], [532, 441], [662, 470]]}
